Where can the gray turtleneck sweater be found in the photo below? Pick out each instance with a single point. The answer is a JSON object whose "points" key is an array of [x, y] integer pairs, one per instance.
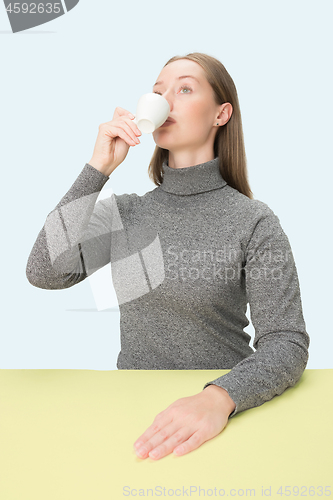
{"points": [[186, 258]]}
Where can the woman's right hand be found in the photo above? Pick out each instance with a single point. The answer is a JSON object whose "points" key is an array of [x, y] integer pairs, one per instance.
{"points": [[113, 141]]}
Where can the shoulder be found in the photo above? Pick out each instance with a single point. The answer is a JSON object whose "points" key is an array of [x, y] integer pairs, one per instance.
{"points": [[129, 203], [246, 208], [255, 220]]}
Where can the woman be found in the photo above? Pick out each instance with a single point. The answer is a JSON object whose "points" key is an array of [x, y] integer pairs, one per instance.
{"points": [[186, 258]]}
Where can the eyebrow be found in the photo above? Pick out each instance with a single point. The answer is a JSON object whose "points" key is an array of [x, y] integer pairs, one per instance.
{"points": [[179, 78]]}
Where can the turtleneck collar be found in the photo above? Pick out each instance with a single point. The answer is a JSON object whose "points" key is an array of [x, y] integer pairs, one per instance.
{"points": [[191, 180]]}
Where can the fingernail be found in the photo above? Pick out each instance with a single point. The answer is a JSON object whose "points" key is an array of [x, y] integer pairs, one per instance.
{"points": [[137, 444], [154, 454], [141, 452], [178, 450]]}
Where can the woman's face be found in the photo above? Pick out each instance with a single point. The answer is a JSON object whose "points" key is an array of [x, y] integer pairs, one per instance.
{"points": [[193, 114]]}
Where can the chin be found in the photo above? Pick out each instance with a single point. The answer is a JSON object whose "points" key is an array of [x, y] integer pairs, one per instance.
{"points": [[163, 140]]}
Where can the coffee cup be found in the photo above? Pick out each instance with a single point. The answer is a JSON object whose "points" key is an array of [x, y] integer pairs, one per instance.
{"points": [[151, 112]]}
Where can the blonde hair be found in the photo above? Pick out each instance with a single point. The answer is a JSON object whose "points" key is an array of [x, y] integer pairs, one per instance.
{"points": [[229, 140]]}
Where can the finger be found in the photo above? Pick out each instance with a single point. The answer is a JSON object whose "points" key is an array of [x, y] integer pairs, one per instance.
{"points": [[121, 112], [128, 139], [159, 422], [115, 131], [134, 126], [132, 129], [124, 116], [173, 429], [192, 443], [175, 440], [125, 124]]}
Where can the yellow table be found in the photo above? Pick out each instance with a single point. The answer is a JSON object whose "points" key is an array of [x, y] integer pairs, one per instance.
{"points": [[69, 434]]}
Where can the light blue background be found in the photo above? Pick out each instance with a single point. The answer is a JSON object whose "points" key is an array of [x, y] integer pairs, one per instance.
{"points": [[60, 80]]}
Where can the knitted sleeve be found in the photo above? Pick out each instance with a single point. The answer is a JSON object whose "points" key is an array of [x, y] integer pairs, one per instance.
{"points": [[281, 340], [75, 239]]}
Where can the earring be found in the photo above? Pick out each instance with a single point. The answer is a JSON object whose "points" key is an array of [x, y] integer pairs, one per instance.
{"points": [[217, 124]]}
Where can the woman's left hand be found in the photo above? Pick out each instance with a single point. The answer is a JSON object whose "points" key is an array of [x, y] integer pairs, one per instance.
{"points": [[186, 424]]}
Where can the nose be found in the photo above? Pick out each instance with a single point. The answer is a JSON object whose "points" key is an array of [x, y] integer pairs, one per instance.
{"points": [[168, 96]]}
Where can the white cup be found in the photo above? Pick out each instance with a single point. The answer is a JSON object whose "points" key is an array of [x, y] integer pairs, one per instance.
{"points": [[151, 112]]}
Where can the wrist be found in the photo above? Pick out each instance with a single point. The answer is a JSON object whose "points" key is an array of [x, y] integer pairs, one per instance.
{"points": [[219, 392], [98, 166]]}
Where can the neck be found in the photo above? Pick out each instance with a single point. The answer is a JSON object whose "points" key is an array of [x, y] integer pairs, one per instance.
{"points": [[183, 159], [193, 179]]}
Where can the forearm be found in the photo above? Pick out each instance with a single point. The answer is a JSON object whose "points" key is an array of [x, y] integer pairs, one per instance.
{"points": [[56, 259], [275, 366], [281, 340]]}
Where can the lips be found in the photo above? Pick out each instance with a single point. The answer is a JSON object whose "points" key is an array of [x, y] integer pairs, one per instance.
{"points": [[169, 121]]}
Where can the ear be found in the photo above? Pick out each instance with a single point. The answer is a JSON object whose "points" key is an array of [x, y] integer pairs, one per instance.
{"points": [[224, 113]]}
